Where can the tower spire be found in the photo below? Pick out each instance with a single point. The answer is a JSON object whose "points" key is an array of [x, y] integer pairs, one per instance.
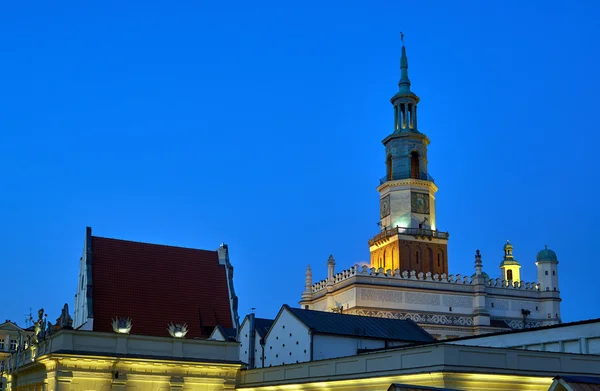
{"points": [[404, 82]]}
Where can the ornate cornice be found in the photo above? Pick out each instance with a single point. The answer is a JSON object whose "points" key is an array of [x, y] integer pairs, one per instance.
{"points": [[408, 182]]}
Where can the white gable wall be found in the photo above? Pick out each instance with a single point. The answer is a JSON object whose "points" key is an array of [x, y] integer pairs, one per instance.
{"points": [[287, 342], [333, 346], [244, 340], [80, 312], [216, 335]]}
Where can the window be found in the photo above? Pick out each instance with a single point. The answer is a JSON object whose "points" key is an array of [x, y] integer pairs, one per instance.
{"points": [[417, 256], [430, 260], [2, 345], [414, 165], [553, 272], [546, 272], [509, 275], [388, 166], [13, 344], [439, 261]]}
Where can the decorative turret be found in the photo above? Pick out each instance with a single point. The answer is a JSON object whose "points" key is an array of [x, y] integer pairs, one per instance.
{"points": [[547, 270], [330, 281], [307, 294], [509, 265], [330, 269], [481, 315], [547, 273]]}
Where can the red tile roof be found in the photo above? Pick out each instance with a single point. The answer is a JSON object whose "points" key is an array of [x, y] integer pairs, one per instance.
{"points": [[155, 285]]}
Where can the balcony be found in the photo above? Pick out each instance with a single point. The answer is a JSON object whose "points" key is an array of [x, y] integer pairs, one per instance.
{"points": [[430, 233], [396, 177]]}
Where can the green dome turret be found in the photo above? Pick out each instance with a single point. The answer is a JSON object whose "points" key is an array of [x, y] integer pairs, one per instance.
{"points": [[547, 255]]}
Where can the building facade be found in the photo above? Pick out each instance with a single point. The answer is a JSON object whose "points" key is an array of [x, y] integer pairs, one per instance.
{"points": [[11, 338], [78, 360], [408, 273]]}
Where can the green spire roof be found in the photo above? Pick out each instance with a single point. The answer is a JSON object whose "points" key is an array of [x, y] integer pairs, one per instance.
{"points": [[404, 83]]}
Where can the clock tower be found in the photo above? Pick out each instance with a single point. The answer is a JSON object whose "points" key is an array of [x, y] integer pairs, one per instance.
{"points": [[409, 238]]}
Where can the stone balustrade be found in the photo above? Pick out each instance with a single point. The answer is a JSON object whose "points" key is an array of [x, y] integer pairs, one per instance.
{"points": [[364, 270]]}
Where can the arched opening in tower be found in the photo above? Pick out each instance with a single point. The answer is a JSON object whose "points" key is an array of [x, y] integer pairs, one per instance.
{"points": [[414, 165], [388, 165]]}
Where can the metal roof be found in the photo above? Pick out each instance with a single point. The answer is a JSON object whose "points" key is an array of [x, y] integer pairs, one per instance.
{"points": [[577, 383], [361, 326], [262, 326]]}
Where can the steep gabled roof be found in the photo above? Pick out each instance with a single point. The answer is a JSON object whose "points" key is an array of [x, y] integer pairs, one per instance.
{"points": [[262, 326], [155, 285], [321, 322]]}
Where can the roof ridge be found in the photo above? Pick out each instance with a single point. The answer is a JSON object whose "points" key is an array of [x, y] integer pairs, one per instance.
{"points": [[152, 244]]}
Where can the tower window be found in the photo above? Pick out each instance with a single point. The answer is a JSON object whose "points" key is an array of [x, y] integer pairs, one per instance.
{"points": [[430, 260], [417, 256], [439, 260], [388, 165], [546, 272], [509, 275], [415, 170], [553, 273]]}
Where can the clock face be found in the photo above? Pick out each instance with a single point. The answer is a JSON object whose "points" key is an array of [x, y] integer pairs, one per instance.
{"points": [[420, 203], [385, 206]]}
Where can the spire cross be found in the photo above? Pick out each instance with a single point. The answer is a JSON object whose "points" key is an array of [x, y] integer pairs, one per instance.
{"points": [[402, 37]]}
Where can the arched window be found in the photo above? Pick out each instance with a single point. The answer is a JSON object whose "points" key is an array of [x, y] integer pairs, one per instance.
{"points": [[417, 257], [384, 261], [430, 260], [439, 260], [415, 171], [388, 165], [393, 268], [509, 275]]}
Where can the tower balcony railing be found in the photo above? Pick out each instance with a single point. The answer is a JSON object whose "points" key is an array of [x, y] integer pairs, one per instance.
{"points": [[395, 177], [430, 233]]}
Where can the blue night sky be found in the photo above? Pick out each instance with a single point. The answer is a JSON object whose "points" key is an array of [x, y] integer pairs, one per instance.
{"points": [[259, 124]]}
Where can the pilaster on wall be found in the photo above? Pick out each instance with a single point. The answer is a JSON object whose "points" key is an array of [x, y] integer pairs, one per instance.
{"points": [[177, 383], [63, 380], [119, 381]]}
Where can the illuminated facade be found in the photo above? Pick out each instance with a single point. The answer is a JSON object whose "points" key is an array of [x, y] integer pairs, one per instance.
{"points": [[438, 366], [408, 275], [11, 337], [85, 360]]}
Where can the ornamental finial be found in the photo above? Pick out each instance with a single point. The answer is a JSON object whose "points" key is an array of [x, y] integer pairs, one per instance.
{"points": [[402, 37]]}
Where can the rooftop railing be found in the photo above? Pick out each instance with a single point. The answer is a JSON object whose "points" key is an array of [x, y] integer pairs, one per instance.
{"points": [[396, 177], [430, 233]]}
